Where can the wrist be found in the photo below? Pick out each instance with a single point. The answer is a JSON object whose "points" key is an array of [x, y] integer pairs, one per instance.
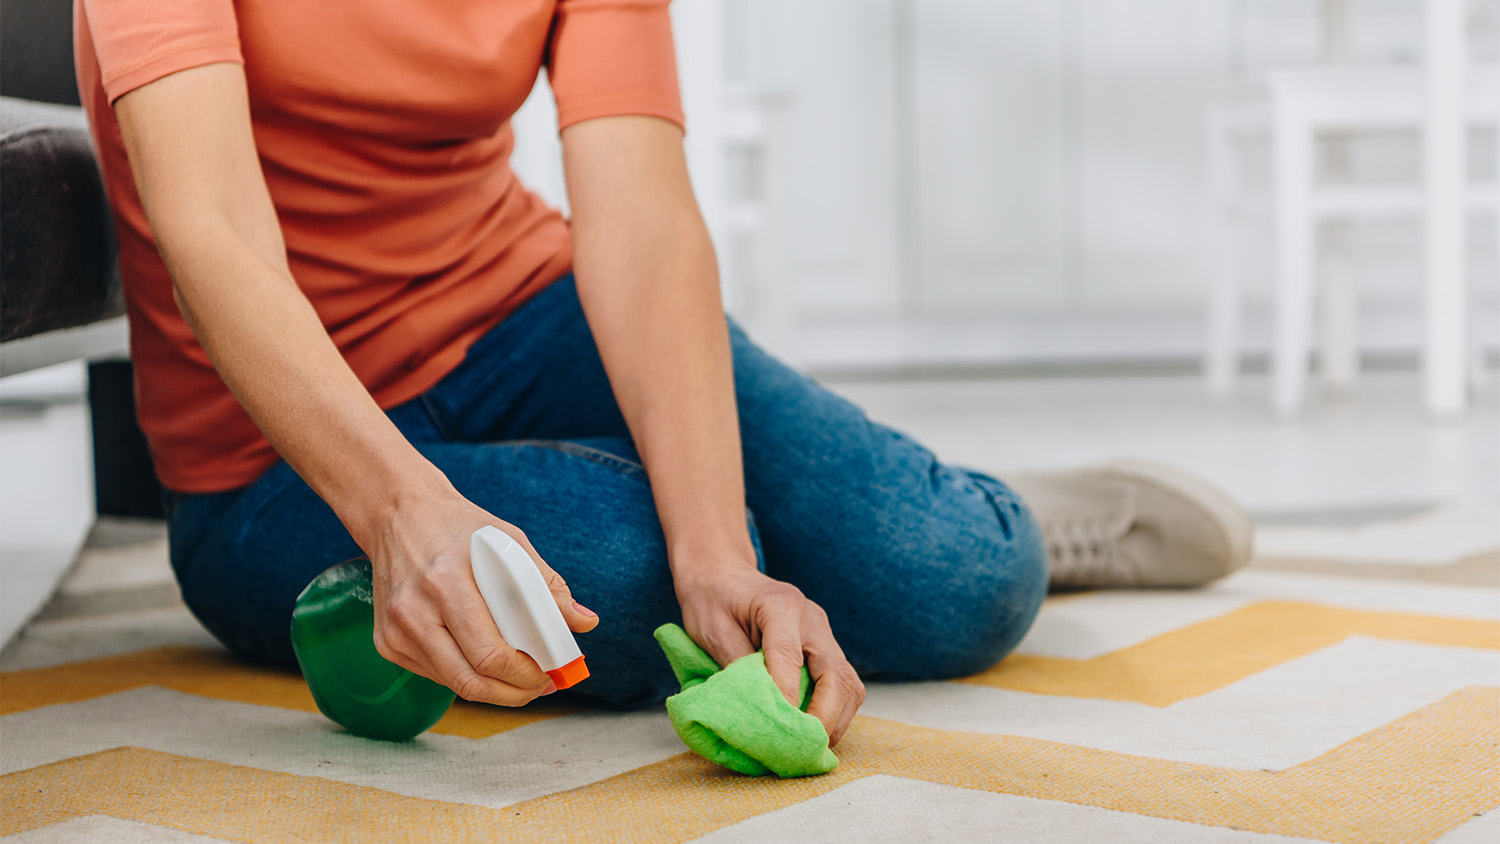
{"points": [[373, 503], [698, 562]]}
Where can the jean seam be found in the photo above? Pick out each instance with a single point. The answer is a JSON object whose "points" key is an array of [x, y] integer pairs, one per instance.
{"points": [[629, 467], [428, 406], [992, 491]]}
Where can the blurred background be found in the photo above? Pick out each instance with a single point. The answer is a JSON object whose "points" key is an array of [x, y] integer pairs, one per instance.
{"points": [[901, 184], [1042, 233], [1254, 237]]}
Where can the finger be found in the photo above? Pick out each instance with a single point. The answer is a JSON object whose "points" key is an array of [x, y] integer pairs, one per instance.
{"points": [[455, 671], [837, 690], [412, 634], [830, 703], [844, 721], [396, 649], [725, 642], [393, 641], [579, 618], [468, 620], [781, 640]]}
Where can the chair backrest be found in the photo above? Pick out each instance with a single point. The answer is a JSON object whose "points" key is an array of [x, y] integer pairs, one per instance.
{"points": [[57, 246], [36, 51], [57, 242]]}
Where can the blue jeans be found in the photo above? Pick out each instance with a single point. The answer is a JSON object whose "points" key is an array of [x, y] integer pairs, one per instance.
{"points": [[925, 570]]}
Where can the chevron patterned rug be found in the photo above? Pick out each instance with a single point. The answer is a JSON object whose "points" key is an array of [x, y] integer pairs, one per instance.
{"points": [[1345, 688]]}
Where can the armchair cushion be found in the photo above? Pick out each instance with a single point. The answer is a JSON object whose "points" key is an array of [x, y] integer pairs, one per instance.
{"points": [[57, 242]]}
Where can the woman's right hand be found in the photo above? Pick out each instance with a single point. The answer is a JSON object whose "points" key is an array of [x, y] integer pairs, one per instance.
{"points": [[429, 616]]}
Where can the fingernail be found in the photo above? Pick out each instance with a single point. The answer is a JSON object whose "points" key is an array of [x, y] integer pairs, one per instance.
{"points": [[551, 687], [585, 610]]}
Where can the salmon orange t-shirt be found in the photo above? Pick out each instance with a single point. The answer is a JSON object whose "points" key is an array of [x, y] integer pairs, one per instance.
{"points": [[383, 131]]}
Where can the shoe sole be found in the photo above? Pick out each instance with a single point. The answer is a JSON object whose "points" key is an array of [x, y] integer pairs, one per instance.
{"points": [[1224, 510]]}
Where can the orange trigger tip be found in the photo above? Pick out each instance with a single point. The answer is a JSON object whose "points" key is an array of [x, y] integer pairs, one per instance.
{"points": [[569, 675]]}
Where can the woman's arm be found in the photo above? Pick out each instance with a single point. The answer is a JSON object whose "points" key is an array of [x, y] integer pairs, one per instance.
{"points": [[649, 286], [193, 156]]}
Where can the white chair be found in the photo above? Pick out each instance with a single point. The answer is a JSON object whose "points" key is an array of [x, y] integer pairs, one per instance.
{"points": [[1292, 109]]}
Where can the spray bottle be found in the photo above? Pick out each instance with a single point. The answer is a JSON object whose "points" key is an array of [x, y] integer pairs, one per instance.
{"points": [[333, 626]]}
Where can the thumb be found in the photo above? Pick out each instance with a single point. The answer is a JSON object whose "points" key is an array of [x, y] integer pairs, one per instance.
{"points": [[580, 619]]}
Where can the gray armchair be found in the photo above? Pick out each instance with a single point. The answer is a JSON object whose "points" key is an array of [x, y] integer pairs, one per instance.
{"points": [[57, 246], [60, 293]]}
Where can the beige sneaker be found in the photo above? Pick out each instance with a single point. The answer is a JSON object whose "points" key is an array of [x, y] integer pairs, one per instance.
{"points": [[1135, 523]]}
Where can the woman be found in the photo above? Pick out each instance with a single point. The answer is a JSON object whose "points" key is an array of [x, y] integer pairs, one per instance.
{"points": [[354, 330]]}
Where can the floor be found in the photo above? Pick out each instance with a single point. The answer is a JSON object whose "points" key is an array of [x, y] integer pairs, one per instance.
{"points": [[1271, 706], [1375, 452]]}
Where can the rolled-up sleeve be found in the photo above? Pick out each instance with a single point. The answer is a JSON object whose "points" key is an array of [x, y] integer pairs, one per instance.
{"points": [[613, 57], [140, 41]]}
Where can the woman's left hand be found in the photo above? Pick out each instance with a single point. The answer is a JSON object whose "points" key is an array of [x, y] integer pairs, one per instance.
{"points": [[733, 612], [649, 286]]}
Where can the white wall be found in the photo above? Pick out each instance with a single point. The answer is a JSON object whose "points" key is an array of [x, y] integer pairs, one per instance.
{"points": [[917, 181]]}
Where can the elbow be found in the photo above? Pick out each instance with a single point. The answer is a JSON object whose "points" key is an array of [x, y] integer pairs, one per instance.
{"points": [[199, 243]]}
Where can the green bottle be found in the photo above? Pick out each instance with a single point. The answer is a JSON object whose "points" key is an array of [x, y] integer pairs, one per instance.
{"points": [[333, 635]]}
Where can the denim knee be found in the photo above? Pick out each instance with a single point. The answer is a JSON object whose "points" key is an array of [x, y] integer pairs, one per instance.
{"points": [[627, 669], [240, 578], [960, 590], [614, 559]]}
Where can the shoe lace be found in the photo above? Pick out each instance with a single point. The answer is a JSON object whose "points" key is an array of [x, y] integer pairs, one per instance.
{"points": [[1085, 548]]}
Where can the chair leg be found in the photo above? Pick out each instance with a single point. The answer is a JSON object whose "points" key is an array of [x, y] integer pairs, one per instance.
{"points": [[1444, 142], [1339, 358], [1479, 366], [125, 483], [1294, 236], [1221, 354]]}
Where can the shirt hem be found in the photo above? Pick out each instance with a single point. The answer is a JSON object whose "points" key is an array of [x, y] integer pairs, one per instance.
{"points": [[620, 107], [163, 64]]}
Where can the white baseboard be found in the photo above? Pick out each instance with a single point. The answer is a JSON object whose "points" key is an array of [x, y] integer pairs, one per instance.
{"points": [[881, 341]]}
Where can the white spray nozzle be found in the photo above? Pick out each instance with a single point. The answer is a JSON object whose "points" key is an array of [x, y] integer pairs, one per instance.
{"points": [[523, 607]]}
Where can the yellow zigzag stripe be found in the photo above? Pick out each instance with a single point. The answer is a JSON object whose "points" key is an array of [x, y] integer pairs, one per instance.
{"points": [[1200, 658], [215, 674], [1171, 667], [1409, 781]]}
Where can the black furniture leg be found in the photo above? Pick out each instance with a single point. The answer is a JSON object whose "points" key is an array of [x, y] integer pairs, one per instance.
{"points": [[124, 482]]}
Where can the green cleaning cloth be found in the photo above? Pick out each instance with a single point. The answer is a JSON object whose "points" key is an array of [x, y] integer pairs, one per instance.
{"points": [[736, 717]]}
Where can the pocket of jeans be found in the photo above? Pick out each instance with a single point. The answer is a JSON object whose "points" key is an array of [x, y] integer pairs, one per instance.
{"points": [[596, 455]]}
